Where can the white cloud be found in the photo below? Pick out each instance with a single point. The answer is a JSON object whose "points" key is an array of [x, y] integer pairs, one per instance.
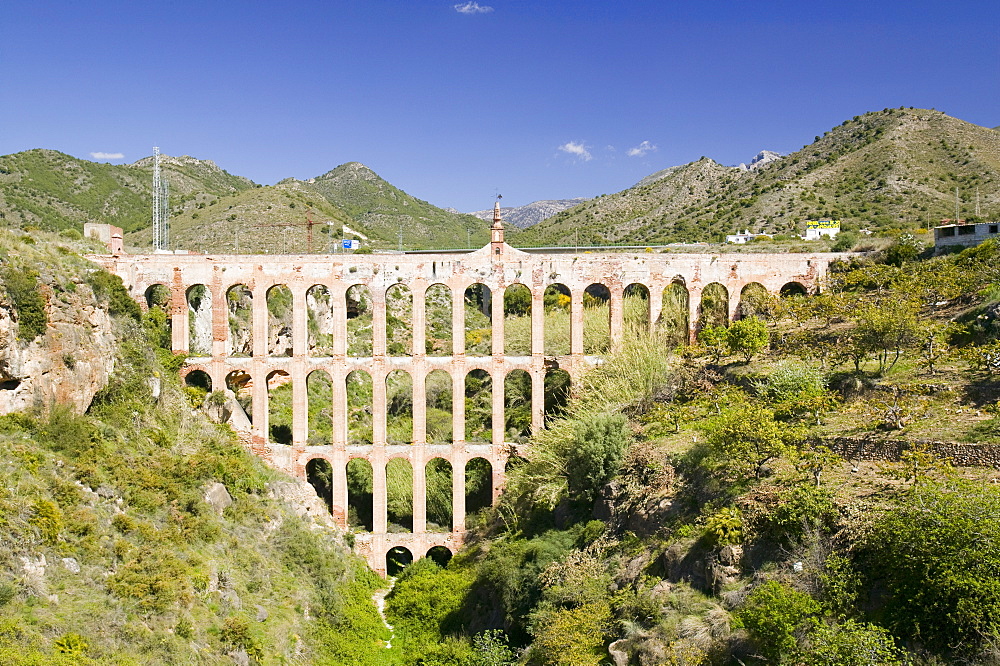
{"points": [[472, 8], [641, 149], [107, 156], [578, 150]]}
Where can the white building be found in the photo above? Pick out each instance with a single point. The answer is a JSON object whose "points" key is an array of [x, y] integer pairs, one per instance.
{"points": [[816, 229]]}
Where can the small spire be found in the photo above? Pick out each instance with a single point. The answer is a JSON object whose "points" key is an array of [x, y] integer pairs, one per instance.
{"points": [[496, 230], [496, 212]]}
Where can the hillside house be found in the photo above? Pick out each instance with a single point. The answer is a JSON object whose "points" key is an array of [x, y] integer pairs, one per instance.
{"points": [[965, 235]]}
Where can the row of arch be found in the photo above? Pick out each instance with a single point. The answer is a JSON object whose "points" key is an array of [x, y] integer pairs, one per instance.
{"points": [[350, 317], [442, 398]]}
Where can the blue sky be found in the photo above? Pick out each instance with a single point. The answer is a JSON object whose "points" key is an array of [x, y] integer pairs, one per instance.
{"points": [[456, 102]]}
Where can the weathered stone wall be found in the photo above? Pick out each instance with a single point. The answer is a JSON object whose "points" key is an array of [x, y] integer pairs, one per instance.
{"points": [[891, 450]]}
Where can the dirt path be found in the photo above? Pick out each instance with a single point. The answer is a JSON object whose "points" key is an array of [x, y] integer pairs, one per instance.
{"points": [[379, 599]]}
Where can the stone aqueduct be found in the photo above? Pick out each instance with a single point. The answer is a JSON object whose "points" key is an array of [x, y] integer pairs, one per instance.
{"points": [[496, 266]]}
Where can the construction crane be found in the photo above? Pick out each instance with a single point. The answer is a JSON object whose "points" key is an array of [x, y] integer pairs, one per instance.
{"points": [[309, 224]]}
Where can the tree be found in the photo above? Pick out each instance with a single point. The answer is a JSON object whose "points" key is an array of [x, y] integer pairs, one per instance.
{"points": [[596, 454], [713, 339], [747, 337], [747, 438], [886, 327], [773, 614]]}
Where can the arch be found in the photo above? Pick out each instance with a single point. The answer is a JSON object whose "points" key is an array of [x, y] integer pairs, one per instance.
{"points": [[321, 325], [279, 407], [675, 312], [517, 406], [635, 308], [478, 320], [279, 320], [158, 296], [755, 301], [439, 475], [714, 307], [478, 486], [397, 559], [360, 397], [517, 320], [199, 302], [558, 329], [239, 305], [319, 474], [399, 320], [359, 321], [197, 386], [319, 398], [793, 289], [478, 406], [438, 414], [360, 498], [399, 407], [241, 384], [399, 495], [557, 391], [438, 331], [440, 555], [596, 319]]}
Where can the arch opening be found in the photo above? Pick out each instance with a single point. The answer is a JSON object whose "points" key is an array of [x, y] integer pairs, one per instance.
{"points": [[596, 319], [478, 320], [438, 332], [319, 390], [478, 406], [319, 474], [517, 406], [674, 319], [397, 559], [359, 408], [158, 296], [439, 475], [197, 386], [517, 320], [399, 320], [321, 324], [279, 407], [399, 407], [755, 301], [440, 555], [557, 392], [158, 315], [240, 383], [557, 302], [359, 321], [478, 488], [360, 504], [399, 495], [279, 321], [239, 307], [438, 413], [714, 307], [199, 301], [790, 289], [635, 308]]}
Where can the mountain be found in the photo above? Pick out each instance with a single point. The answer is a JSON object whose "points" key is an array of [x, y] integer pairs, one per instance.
{"points": [[761, 159], [896, 168], [51, 190], [528, 215]]}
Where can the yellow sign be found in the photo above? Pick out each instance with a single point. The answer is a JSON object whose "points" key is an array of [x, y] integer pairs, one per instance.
{"points": [[822, 224]]}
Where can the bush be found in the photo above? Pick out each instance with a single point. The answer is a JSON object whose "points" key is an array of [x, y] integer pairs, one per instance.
{"points": [[773, 614], [22, 288], [596, 454], [747, 337]]}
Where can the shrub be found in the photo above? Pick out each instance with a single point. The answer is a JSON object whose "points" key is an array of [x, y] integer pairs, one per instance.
{"points": [[773, 614], [22, 288], [725, 527], [595, 456], [747, 337], [109, 289]]}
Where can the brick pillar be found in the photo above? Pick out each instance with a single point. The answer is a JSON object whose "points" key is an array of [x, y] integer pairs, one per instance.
{"points": [[258, 318], [537, 398], [457, 402], [497, 332], [499, 473], [655, 304], [419, 292], [380, 517], [616, 316], [338, 304], [458, 321], [378, 406], [338, 408], [259, 321], [339, 504], [300, 404], [220, 317], [458, 493], [419, 465], [537, 322], [378, 323], [576, 322], [418, 374], [300, 322], [694, 303], [734, 301], [260, 402], [178, 314], [498, 429]]}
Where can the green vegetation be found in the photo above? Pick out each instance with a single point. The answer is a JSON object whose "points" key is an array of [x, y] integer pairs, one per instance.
{"points": [[21, 286]]}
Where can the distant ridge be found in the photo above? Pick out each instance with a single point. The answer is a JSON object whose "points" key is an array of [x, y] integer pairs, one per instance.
{"points": [[530, 214]]}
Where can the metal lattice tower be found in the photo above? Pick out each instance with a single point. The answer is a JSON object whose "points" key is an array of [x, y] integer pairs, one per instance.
{"points": [[161, 206]]}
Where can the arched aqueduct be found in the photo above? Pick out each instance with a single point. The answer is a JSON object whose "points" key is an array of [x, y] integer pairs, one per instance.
{"points": [[202, 286]]}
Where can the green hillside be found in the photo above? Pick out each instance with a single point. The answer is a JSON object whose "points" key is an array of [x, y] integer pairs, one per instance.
{"points": [[47, 189], [890, 169]]}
